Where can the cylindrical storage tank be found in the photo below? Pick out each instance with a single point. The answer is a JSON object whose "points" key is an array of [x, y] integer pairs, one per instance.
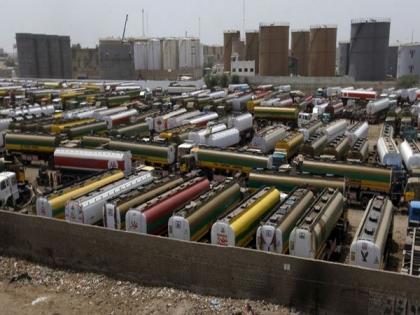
{"points": [[140, 55], [154, 54], [369, 49], [169, 54], [408, 60], [228, 38], [300, 50], [225, 138], [265, 140], [322, 51], [343, 58], [252, 48], [388, 152], [238, 47], [274, 49]]}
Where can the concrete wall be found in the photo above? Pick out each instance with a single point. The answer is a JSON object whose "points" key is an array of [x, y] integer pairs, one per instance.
{"points": [[311, 286], [312, 83]]}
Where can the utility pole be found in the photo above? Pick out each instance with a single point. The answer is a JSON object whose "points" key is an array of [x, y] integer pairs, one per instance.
{"points": [[199, 27], [243, 17], [142, 21]]}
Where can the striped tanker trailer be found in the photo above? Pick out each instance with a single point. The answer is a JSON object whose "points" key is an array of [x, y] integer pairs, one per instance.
{"points": [[309, 238], [239, 226], [152, 217], [53, 204], [138, 129], [31, 147], [86, 129], [195, 219], [92, 160], [287, 115], [362, 182], [147, 152], [374, 235], [88, 209], [115, 210], [273, 233], [288, 183], [212, 158]]}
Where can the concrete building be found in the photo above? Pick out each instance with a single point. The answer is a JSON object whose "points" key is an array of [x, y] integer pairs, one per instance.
{"points": [[85, 63], [44, 56], [245, 68], [300, 51], [408, 60], [368, 54], [212, 54]]}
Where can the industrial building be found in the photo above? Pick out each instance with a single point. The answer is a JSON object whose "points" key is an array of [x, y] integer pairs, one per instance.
{"points": [[322, 51], [85, 64], [44, 56], [274, 49], [244, 68], [408, 59], [369, 49], [300, 50]]}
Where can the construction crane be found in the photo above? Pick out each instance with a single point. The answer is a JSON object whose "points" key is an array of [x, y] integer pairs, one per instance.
{"points": [[125, 25]]}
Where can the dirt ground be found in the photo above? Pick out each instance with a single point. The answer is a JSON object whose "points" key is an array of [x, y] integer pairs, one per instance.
{"points": [[27, 288]]}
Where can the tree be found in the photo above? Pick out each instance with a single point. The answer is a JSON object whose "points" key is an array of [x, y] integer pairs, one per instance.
{"points": [[224, 80], [234, 79], [408, 81]]}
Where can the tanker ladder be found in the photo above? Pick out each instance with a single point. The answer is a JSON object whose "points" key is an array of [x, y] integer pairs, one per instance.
{"points": [[411, 258]]}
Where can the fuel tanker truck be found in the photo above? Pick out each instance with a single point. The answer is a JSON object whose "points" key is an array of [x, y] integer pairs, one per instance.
{"points": [[362, 182]]}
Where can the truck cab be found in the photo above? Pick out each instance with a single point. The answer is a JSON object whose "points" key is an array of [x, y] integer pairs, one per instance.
{"points": [[9, 192], [304, 119]]}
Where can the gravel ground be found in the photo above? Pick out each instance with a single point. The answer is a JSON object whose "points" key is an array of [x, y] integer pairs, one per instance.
{"points": [[27, 288]]}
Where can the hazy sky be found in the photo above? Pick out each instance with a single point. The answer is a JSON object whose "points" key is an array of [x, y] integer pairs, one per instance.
{"points": [[87, 20]]}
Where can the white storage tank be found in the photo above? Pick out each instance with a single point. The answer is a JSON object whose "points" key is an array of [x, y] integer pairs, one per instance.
{"points": [[169, 54], [140, 55], [189, 53], [225, 138], [334, 129], [374, 107], [154, 55]]}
